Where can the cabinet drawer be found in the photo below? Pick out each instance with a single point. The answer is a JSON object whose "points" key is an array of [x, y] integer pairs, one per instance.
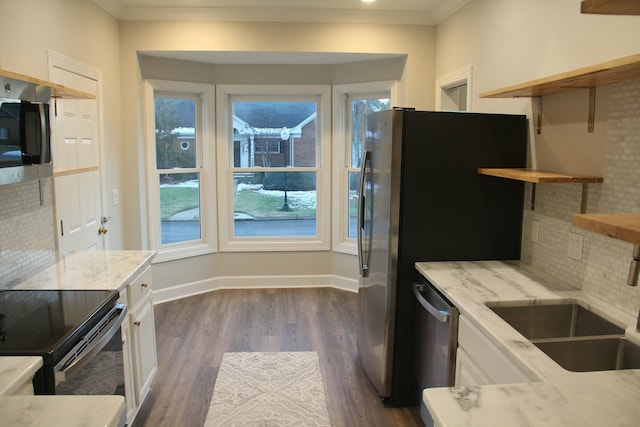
{"points": [[486, 356], [139, 288]]}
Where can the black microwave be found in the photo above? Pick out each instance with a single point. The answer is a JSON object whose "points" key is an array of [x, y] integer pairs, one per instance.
{"points": [[25, 141]]}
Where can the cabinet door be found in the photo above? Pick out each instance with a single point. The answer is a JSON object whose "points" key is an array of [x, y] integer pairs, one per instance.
{"points": [[144, 341], [129, 381], [467, 372], [486, 356]]}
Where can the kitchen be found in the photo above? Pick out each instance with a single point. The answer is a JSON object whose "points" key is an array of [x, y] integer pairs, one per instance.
{"points": [[544, 38]]}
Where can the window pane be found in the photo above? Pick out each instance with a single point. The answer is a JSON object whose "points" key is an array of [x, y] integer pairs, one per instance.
{"points": [[275, 204], [274, 134], [354, 183], [359, 110], [175, 133], [180, 207]]}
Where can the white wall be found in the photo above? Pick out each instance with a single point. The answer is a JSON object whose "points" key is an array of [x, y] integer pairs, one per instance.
{"points": [[415, 69], [78, 29], [512, 41]]}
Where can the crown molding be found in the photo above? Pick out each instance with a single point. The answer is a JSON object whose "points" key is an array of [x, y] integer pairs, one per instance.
{"points": [[124, 12]]}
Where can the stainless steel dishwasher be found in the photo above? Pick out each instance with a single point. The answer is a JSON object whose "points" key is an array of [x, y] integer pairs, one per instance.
{"points": [[436, 340]]}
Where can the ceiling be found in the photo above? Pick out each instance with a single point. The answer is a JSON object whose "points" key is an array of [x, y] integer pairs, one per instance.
{"points": [[418, 12]]}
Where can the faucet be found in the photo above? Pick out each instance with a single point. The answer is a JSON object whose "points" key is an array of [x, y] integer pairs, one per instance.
{"points": [[634, 268]]}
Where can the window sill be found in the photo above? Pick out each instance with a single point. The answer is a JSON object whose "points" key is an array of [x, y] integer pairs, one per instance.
{"points": [[181, 252]]}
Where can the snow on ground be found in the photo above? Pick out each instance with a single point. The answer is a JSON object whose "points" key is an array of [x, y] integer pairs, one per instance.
{"points": [[299, 199]]}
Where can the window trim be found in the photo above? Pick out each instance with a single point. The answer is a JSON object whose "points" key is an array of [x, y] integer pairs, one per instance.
{"points": [[205, 140], [225, 169], [340, 136]]}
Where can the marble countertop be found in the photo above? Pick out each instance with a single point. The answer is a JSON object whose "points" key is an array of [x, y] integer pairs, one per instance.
{"points": [[16, 371], [77, 271], [67, 411], [87, 270], [555, 397]]}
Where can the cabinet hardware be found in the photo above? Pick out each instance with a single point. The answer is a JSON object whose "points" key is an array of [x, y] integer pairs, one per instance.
{"points": [[144, 285], [137, 323]]}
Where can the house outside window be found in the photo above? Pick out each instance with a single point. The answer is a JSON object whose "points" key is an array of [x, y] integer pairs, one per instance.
{"points": [[276, 191]]}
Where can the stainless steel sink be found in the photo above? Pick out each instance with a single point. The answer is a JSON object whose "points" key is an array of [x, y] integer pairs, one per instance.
{"points": [[555, 321], [592, 354], [574, 337]]}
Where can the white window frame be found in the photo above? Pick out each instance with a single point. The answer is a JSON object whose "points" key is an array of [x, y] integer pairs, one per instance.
{"points": [[205, 142], [342, 155], [230, 243]]}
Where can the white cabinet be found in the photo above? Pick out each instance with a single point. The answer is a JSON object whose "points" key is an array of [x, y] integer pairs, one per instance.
{"points": [[139, 341], [144, 347], [480, 362]]}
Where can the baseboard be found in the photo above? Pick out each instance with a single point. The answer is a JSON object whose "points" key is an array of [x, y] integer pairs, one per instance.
{"points": [[253, 282]]}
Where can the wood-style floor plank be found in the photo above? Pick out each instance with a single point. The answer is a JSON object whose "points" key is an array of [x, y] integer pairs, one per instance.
{"points": [[193, 333]]}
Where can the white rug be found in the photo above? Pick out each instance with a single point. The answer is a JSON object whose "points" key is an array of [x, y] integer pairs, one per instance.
{"points": [[269, 389]]}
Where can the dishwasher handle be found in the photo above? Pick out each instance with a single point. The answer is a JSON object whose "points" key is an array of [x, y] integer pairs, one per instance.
{"points": [[440, 315]]}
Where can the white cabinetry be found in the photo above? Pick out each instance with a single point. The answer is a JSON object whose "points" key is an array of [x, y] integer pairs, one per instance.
{"points": [[480, 362], [139, 341]]}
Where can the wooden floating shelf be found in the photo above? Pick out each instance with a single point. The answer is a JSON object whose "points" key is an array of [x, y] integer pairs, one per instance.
{"points": [[619, 226], [57, 91], [611, 7], [538, 176], [588, 77], [58, 172], [544, 177]]}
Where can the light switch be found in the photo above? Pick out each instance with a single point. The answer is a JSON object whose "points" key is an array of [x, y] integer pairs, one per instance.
{"points": [[115, 197], [575, 246]]}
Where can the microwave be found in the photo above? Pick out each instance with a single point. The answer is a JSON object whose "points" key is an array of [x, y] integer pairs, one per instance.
{"points": [[25, 141]]}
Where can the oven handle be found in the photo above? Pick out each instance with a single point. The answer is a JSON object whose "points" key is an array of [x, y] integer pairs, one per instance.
{"points": [[92, 343]]}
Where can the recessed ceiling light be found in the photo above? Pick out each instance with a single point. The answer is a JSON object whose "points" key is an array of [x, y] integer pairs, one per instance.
{"points": [[367, 1]]}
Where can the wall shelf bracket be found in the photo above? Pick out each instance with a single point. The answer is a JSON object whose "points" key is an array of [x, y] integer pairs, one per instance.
{"points": [[592, 109], [585, 197], [533, 196], [537, 107]]}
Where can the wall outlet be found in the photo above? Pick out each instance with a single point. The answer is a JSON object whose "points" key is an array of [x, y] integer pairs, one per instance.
{"points": [[574, 249], [535, 231]]}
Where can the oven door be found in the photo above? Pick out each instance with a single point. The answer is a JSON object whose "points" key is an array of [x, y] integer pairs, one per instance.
{"points": [[95, 365]]}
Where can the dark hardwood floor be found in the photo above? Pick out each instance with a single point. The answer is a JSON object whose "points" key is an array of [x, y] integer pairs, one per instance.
{"points": [[193, 333]]}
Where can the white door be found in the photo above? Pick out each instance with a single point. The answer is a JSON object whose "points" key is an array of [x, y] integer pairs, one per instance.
{"points": [[76, 162]]}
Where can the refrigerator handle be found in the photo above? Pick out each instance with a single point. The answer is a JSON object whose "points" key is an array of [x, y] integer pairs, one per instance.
{"points": [[364, 269]]}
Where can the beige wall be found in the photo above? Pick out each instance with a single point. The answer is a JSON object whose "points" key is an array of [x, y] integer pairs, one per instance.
{"points": [[414, 66], [513, 41], [80, 30]]}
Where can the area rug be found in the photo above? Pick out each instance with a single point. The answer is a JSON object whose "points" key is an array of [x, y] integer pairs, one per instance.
{"points": [[269, 389]]}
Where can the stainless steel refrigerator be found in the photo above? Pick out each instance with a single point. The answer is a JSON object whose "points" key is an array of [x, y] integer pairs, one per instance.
{"points": [[421, 199]]}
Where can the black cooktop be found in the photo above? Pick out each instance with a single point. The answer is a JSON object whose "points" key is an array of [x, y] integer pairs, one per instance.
{"points": [[49, 323]]}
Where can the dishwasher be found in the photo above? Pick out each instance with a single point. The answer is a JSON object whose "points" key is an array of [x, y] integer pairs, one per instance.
{"points": [[436, 341]]}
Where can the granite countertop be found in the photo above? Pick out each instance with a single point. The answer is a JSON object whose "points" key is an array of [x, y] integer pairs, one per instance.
{"points": [[86, 270], [555, 397]]}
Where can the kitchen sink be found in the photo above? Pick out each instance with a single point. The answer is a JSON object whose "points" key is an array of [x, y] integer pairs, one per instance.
{"points": [[592, 354], [556, 321], [573, 336]]}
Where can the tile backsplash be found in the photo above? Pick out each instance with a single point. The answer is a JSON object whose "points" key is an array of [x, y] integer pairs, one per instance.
{"points": [[604, 265], [27, 238]]}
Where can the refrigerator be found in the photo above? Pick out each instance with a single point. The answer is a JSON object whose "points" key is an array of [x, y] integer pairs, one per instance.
{"points": [[422, 199]]}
